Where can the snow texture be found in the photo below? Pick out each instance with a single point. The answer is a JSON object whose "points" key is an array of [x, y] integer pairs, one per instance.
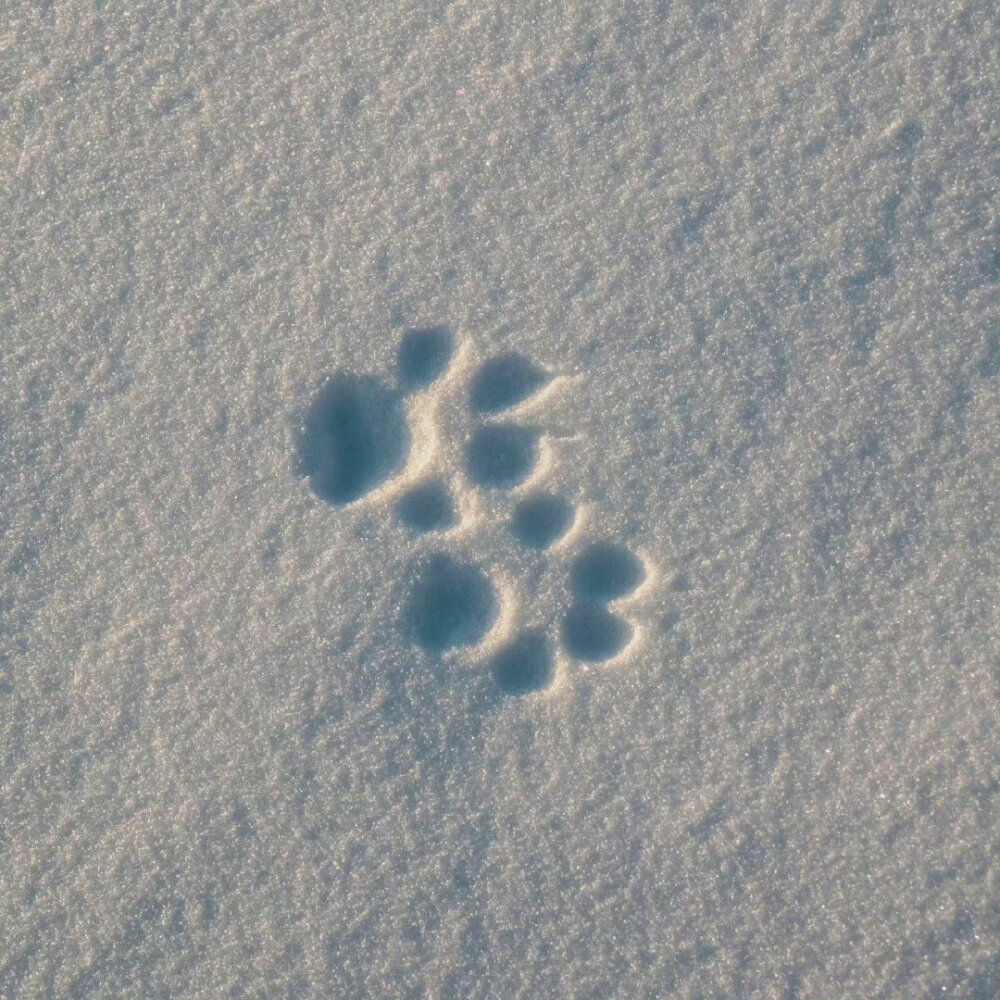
{"points": [[499, 500]]}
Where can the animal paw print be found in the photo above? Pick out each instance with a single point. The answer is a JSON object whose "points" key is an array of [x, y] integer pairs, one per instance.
{"points": [[370, 440]]}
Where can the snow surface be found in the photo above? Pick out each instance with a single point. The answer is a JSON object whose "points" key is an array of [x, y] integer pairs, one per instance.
{"points": [[499, 500]]}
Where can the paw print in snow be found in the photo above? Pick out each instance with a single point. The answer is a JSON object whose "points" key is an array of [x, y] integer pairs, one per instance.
{"points": [[481, 485]]}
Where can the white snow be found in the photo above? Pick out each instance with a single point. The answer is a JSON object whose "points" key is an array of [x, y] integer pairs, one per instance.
{"points": [[254, 743]]}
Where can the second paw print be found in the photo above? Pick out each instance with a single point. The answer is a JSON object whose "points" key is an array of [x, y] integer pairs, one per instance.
{"points": [[468, 485]]}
